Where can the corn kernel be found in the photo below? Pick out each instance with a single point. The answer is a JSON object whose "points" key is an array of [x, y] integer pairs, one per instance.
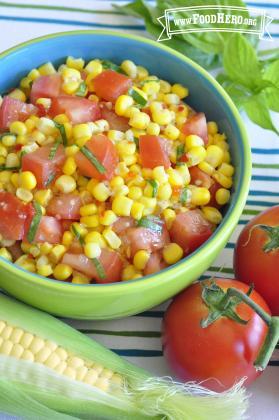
{"points": [[45, 270], [18, 127], [171, 99], [141, 72], [175, 179], [9, 140], [108, 218], [70, 87], [159, 174], [117, 181], [163, 117], [24, 195], [123, 102], [180, 90], [80, 279], [192, 141], [171, 132], [206, 167], [153, 129], [27, 180], [227, 157], [90, 221], [164, 192], [71, 150], [122, 205], [18, 94], [135, 193], [33, 74], [139, 120], [115, 135], [69, 166], [92, 250], [5, 176], [62, 271], [226, 169], [212, 214], [149, 205], [82, 130], [129, 272], [94, 67], [130, 68], [212, 127], [126, 148], [4, 253], [214, 155], [196, 155], [169, 216], [223, 180], [75, 63], [101, 192], [3, 151], [46, 69], [121, 191], [172, 253], [151, 88], [222, 196], [112, 239], [67, 238], [141, 258], [137, 210], [57, 253], [200, 196], [65, 184], [43, 197]]}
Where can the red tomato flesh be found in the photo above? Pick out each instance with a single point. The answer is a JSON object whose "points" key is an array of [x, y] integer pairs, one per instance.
{"points": [[14, 110], [154, 264], [49, 230], [109, 85], [190, 230], [196, 124], [142, 238], [110, 260], [41, 166], [122, 224], [213, 190], [65, 206], [153, 152], [45, 87], [115, 122], [15, 217], [78, 110], [105, 152], [200, 178]]}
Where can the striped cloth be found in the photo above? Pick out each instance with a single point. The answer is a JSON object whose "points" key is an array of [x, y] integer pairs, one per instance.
{"points": [[138, 338]]}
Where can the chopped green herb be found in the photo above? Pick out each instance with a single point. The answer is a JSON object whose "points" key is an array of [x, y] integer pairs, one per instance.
{"points": [[138, 98], [82, 89], [180, 151], [185, 195], [149, 80], [35, 222], [151, 222], [154, 185], [50, 179], [180, 164], [77, 235], [109, 65], [53, 149], [62, 130], [136, 140], [99, 267], [92, 158], [9, 168]]}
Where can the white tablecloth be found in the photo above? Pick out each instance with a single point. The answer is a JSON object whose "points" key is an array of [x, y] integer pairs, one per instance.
{"points": [[137, 338]]}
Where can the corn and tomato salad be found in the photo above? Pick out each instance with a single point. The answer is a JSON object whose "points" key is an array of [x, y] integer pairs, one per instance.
{"points": [[106, 174]]}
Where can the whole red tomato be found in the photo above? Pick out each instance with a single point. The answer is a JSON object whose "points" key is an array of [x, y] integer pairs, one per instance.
{"points": [[223, 352], [256, 256]]}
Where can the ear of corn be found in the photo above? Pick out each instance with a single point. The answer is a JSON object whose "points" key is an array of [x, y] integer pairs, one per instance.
{"points": [[49, 370]]}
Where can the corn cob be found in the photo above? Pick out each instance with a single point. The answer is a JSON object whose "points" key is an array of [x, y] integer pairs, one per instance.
{"points": [[49, 370]]}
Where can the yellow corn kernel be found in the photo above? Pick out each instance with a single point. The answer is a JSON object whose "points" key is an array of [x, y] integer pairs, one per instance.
{"points": [[121, 191], [153, 129], [123, 102], [223, 180], [65, 184], [171, 99], [165, 86], [151, 88], [46, 126], [129, 272], [9, 140], [171, 132], [4, 253], [139, 120], [115, 135], [226, 169], [27, 180], [3, 151], [130, 68], [135, 193], [70, 87], [90, 221], [57, 253], [101, 192], [95, 237], [159, 174], [212, 127], [212, 215], [88, 209], [184, 172], [69, 166], [67, 238], [37, 136], [45, 270], [172, 253], [164, 192], [71, 150], [75, 63], [214, 155], [62, 271], [92, 250], [222, 196], [46, 69], [25, 84], [149, 205], [70, 73], [95, 67], [192, 141], [33, 74], [227, 157], [80, 279], [196, 155], [169, 216], [141, 72], [148, 190], [108, 218], [5, 176], [206, 167], [61, 118], [200, 196], [137, 210], [82, 131], [24, 195], [122, 205], [18, 94], [12, 159], [162, 117], [35, 251], [43, 197], [180, 90], [180, 120], [125, 148], [140, 259], [175, 179], [112, 239], [130, 160], [25, 246], [18, 127]]}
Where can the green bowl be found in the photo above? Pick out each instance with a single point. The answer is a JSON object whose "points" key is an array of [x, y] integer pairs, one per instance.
{"points": [[108, 301]]}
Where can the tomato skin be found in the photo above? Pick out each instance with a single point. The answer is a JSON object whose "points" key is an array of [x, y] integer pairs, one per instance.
{"points": [[153, 152], [78, 110], [200, 178], [45, 87], [14, 110], [253, 265], [190, 230], [109, 85], [65, 206], [220, 354], [105, 152], [196, 124], [142, 238], [213, 190], [49, 230], [154, 264], [115, 121]]}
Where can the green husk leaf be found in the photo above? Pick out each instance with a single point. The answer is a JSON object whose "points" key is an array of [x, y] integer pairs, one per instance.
{"points": [[35, 222], [62, 131]]}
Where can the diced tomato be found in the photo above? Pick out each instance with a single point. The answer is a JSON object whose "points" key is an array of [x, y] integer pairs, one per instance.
{"points": [[15, 217], [122, 224], [78, 110], [49, 230], [155, 263], [200, 178], [196, 124], [75, 247], [115, 122], [66, 224], [45, 87], [42, 111], [14, 110], [109, 85], [153, 152], [213, 189], [65, 206], [110, 260], [42, 167], [190, 230], [143, 238], [105, 151]]}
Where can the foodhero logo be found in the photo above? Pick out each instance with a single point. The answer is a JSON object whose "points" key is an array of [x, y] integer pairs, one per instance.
{"points": [[211, 18]]}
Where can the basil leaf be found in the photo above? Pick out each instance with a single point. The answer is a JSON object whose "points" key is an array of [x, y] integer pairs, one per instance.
{"points": [[82, 89], [50, 179], [9, 168], [180, 151], [62, 130], [154, 185], [35, 222], [99, 268], [53, 149], [92, 158], [138, 98], [256, 108], [272, 94], [109, 65], [136, 140], [77, 235], [151, 222], [185, 196]]}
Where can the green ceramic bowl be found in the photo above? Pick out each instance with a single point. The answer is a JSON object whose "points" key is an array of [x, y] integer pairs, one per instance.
{"points": [[121, 299]]}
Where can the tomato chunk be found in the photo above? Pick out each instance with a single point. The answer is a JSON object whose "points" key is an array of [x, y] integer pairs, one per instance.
{"points": [[155, 263], [153, 152], [200, 178], [78, 110], [105, 151], [110, 260], [15, 217], [196, 124], [65, 206], [109, 85], [49, 230], [190, 230], [122, 224], [115, 122], [45, 87], [213, 190], [143, 238], [14, 110], [42, 167]]}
